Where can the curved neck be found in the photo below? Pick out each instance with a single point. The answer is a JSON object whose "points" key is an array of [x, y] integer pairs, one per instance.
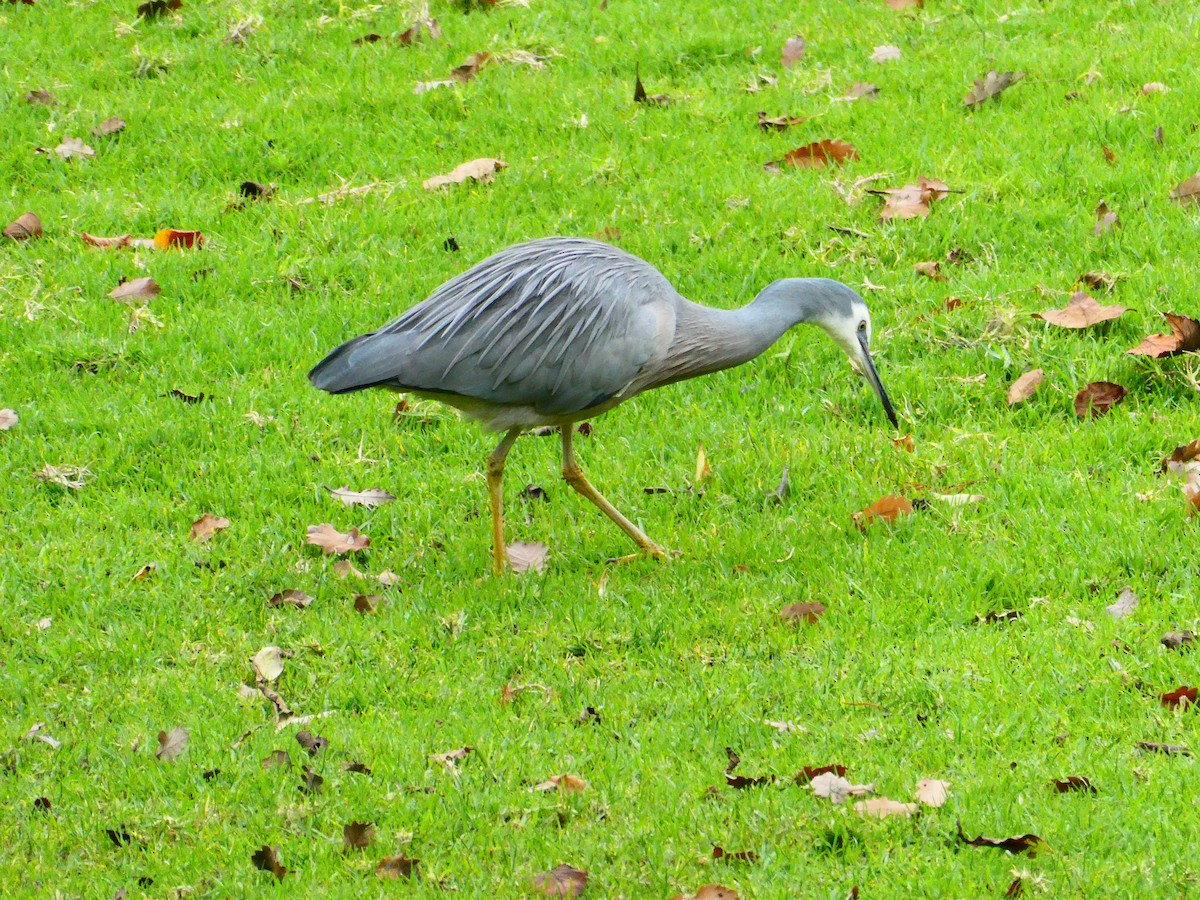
{"points": [[708, 339]]}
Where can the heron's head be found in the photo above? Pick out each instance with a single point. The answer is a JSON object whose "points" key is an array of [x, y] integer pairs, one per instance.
{"points": [[843, 315]]}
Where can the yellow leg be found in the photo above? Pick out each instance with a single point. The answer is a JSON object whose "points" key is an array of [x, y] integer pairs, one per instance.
{"points": [[495, 483], [575, 478]]}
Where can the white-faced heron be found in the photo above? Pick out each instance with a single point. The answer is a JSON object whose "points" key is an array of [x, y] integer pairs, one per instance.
{"points": [[557, 330]]}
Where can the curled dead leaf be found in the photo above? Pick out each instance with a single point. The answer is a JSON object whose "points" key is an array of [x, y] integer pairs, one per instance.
{"points": [[1187, 191], [399, 866], [267, 663], [836, 788], [73, 148], [25, 227], [267, 859], [566, 784], [882, 808], [1073, 783], [809, 612], [172, 743], [1182, 696], [1023, 843], [370, 498], [357, 836], [1184, 338]]}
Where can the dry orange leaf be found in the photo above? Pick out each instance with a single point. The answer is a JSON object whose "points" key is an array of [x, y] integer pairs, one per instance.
{"points": [[886, 509], [333, 541], [1184, 338], [477, 169], [396, 867], [1098, 398], [206, 526], [25, 226], [1081, 311], [809, 611], [819, 153], [172, 237], [1023, 388], [567, 784], [930, 269]]}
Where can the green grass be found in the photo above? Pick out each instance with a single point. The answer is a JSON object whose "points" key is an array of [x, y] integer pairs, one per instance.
{"points": [[680, 660]]}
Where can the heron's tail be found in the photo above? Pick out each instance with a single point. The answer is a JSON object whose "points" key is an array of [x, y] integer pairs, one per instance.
{"points": [[367, 361]]}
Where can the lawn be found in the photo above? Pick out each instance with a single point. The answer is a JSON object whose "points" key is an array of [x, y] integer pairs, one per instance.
{"points": [[635, 678]]}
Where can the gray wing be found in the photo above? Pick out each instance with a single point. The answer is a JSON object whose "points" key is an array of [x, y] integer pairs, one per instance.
{"points": [[559, 324]]}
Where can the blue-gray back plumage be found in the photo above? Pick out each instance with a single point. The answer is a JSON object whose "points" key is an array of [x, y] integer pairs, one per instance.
{"points": [[556, 326]]}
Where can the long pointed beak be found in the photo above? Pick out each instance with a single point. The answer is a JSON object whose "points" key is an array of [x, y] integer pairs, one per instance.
{"points": [[867, 366]]}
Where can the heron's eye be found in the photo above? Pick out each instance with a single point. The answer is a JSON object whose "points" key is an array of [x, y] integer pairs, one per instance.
{"points": [[862, 326]]}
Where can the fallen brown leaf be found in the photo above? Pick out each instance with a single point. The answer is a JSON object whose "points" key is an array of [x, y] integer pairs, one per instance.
{"points": [[566, 784], [1173, 640], [206, 526], [885, 53], [524, 556], [152, 9], [174, 237], [172, 743], [135, 289], [73, 148], [290, 597], [808, 612], [469, 69], [1184, 338], [930, 269], [1076, 783], [41, 97], [277, 759], [819, 153], [25, 227], [313, 743], [1098, 281], [111, 125], [932, 792], [886, 509], [858, 91], [1025, 386], [396, 867], [779, 123], [1125, 604], [1167, 749], [1097, 398], [912, 200], [561, 881], [1022, 843], [1105, 219], [1181, 696], [267, 663], [267, 859], [793, 51], [71, 477], [991, 85], [310, 781], [367, 603], [808, 773], [335, 542], [451, 758], [746, 856], [357, 836], [640, 95], [1081, 311], [1187, 191], [882, 808], [837, 788], [8, 418], [481, 170], [413, 32], [710, 892]]}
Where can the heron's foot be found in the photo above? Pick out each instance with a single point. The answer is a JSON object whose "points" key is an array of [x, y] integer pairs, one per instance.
{"points": [[649, 550]]}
